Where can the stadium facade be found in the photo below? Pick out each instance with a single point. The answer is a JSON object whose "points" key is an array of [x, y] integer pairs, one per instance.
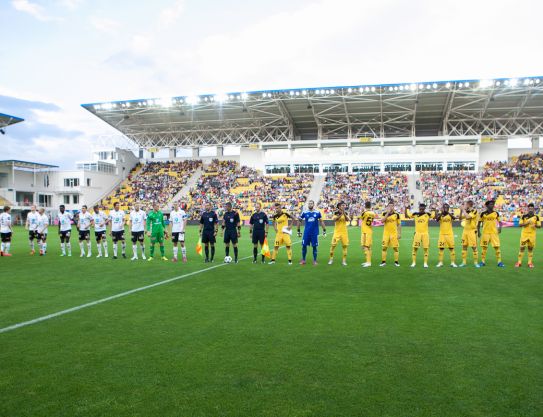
{"points": [[410, 128]]}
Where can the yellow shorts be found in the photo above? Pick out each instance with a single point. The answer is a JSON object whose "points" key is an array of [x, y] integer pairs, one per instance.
{"points": [[445, 241], [527, 241], [493, 239], [343, 238], [421, 238], [390, 241], [282, 239], [366, 239], [469, 238]]}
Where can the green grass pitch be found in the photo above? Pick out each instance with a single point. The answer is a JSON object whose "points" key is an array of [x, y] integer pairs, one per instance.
{"points": [[272, 340]]}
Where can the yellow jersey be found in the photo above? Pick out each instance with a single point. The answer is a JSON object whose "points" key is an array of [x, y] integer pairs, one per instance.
{"points": [[470, 221], [281, 220], [490, 222], [341, 226], [367, 221], [391, 224], [445, 224], [533, 221], [421, 220]]}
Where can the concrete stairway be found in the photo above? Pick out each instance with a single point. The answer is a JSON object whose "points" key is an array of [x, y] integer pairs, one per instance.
{"points": [[190, 184], [316, 188], [413, 191]]}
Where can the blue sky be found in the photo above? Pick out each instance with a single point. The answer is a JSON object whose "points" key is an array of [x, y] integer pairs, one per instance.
{"points": [[57, 54]]}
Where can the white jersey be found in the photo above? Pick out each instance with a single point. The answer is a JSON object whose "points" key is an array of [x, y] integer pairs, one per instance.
{"points": [[65, 221], [32, 220], [137, 218], [43, 223], [177, 219], [85, 220], [100, 220], [5, 223], [117, 220]]}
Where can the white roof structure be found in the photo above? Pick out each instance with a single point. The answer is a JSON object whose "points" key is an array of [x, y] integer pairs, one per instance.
{"points": [[332, 116]]}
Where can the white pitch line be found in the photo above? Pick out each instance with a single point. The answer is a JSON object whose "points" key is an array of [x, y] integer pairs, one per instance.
{"points": [[113, 297]]}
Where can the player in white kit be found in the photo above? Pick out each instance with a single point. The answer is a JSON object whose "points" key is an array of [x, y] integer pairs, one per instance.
{"points": [[65, 230], [5, 232], [41, 231], [178, 220], [100, 224], [84, 223], [137, 227], [31, 225], [116, 218]]}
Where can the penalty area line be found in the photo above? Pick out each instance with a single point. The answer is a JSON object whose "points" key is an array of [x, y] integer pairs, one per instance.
{"points": [[114, 297]]}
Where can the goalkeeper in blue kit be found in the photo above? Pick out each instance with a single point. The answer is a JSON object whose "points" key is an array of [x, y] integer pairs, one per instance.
{"points": [[312, 219]]}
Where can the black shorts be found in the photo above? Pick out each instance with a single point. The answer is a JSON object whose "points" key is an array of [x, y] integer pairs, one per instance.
{"points": [[259, 236], [137, 236], [230, 236], [99, 235], [208, 236], [116, 236], [65, 234], [32, 234], [84, 234], [178, 237], [5, 237], [41, 237]]}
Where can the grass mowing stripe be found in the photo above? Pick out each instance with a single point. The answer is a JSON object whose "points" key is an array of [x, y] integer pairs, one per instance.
{"points": [[114, 297]]}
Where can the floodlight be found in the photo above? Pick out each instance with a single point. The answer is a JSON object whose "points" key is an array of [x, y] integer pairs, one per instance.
{"points": [[485, 83], [165, 102], [349, 90], [526, 81], [244, 96], [297, 93], [513, 82], [361, 89], [372, 89], [220, 98], [332, 91], [292, 93], [448, 85], [107, 106], [466, 84], [192, 100], [434, 85], [366, 89], [460, 85], [304, 92]]}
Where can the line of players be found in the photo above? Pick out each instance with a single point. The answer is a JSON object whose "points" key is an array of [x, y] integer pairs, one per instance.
{"points": [[37, 224]]}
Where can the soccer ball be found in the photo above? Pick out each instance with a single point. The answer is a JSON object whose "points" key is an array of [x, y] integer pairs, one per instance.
{"points": [[227, 259]]}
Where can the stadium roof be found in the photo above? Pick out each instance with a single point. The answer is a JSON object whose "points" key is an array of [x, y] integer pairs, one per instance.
{"points": [[497, 108], [7, 120], [26, 165]]}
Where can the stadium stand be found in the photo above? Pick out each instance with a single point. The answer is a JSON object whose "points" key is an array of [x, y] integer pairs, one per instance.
{"points": [[512, 184], [225, 181], [152, 182], [355, 189]]}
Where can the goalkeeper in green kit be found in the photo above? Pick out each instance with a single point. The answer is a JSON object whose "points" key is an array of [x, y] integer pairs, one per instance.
{"points": [[156, 231]]}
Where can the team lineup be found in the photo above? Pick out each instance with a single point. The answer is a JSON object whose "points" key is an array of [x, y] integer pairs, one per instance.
{"points": [[480, 229]]}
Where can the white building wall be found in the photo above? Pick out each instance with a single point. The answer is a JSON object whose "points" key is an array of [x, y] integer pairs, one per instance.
{"points": [[493, 151]]}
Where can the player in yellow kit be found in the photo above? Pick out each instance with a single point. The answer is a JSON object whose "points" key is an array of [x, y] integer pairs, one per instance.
{"points": [[366, 239], [446, 234], [422, 236], [529, 223], [341, 219], [391, 235], [492, 227], [469, 217], [281, 224]]}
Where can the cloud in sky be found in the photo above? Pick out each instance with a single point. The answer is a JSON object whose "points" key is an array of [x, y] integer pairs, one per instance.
{"points": [[33, 9], [104, 50]]}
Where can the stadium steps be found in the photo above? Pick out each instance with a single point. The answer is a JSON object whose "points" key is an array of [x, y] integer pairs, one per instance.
{"points": [[316, 188], [190, 184], [413, 191], [4, 201]]}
